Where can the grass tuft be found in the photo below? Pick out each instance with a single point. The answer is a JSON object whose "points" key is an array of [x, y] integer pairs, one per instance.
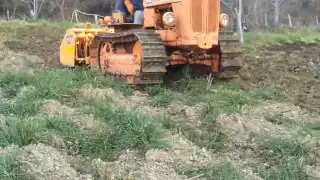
{"points": [[12, 82], [168, 123], [154, 90], [51, 84], [233, 99], [23, 107], [311, 129], [21, 132], [288, 158], [161, 100], [63, 85], [222, 172], [210, 139], [314, 126], [268, 93], [291, 169], [131, 129], [211, 111], [283, 148], [9, 168], [207, 139], [161, 96]]}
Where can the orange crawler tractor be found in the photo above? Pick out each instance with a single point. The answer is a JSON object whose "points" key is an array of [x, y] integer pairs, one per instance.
{"points": [[175, 32]]}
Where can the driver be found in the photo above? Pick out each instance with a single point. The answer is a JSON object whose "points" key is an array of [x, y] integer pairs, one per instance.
{"points": [[133, 8]]}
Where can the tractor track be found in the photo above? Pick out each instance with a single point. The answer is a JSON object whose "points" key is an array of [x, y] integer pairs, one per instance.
{"points": [[231, 55], [154, 59], [153, 67]]}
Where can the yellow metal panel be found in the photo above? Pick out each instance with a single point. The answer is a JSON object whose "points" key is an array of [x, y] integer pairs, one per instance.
{"points": [[67, 49]]}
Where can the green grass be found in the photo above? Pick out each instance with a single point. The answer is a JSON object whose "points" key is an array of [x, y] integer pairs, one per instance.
{"points": [[292, 169], [267, 93], [23, 107], [233, 99], [216, 99], [161, 100], [26, 29], [284, 148], [21, 132], [161, 96], [288, 158], [131, 129], [9, 168], [208, 138], [264, 38], [313, 126], [311, 129], [212, 110], [51, 84], [22, 29], [12, 82], [63, 85], [222, 172]]}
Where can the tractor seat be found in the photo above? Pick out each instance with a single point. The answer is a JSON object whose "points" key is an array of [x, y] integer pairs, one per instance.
{"points": [[129, 20]]}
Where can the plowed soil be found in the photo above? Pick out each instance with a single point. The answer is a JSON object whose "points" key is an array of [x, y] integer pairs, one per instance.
{"points": [[293, 68]]}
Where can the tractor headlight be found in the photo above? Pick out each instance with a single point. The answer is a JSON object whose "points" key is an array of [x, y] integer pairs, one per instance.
{"points": [[224, 20], [169, 19]]}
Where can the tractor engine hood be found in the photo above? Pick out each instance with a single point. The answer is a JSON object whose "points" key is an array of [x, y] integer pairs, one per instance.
{"points": [[197, 22]]}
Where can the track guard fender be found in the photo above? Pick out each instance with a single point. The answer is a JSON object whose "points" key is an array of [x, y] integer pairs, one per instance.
{"points": [[67, 49]]}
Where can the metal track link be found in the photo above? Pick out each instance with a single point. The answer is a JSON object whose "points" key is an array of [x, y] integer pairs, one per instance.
{"points": [[154, 58], [231, 55]]}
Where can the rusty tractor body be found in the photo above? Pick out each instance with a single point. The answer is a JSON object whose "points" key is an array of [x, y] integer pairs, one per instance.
{"points": [[175, 32]]}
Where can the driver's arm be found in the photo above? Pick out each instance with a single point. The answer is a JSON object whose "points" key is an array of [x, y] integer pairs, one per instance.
{"points": [[130, 7]]}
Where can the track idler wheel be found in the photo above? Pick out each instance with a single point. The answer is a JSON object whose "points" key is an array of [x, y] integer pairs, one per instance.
{"points": [[138, 56], [105, 51]]}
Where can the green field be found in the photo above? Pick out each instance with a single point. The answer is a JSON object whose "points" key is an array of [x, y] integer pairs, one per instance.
{"points": [[78, 124]]}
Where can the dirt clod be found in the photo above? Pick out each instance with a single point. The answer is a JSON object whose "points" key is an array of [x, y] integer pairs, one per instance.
{"points": [[16, 62], [51, 108], [183, 154], [131, 166], [44, 162], [8, 150], [282, 113], [314, 171]]}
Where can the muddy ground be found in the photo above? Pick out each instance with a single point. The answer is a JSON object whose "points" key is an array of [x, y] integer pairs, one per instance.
{"points": [[292, 69]]}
